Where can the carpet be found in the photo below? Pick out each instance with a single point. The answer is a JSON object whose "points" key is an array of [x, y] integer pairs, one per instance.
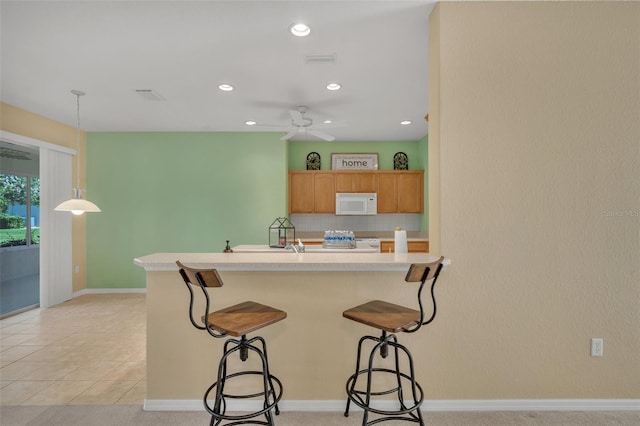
{"points": [[130, 415]]}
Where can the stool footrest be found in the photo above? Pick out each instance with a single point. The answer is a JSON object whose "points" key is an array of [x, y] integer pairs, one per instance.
{"points": [[274, 396], [356, 395]]}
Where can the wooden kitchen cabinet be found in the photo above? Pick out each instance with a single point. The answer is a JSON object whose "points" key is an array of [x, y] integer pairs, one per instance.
{"points": [[387, 193], [300, 192], [324, 193], [401, 192], [312, 192], [398, 191], [351, 181], [411, 193]]}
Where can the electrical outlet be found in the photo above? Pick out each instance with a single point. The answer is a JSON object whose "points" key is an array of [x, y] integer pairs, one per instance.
{"points": [[76, 269], [596, 347]]}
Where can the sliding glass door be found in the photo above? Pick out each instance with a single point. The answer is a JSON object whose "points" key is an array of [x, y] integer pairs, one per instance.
{"points": [[19, 229]]}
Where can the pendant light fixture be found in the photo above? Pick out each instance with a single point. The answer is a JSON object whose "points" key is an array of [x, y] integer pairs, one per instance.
{"points": [[77, 205]]}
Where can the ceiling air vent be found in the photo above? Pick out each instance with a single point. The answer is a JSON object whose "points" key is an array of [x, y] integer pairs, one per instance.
{"points": [[149, 95], [320, 59]]}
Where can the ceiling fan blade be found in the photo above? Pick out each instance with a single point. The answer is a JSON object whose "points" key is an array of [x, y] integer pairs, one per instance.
{"points": [[320, 134], [289, 135], [296, 117]]}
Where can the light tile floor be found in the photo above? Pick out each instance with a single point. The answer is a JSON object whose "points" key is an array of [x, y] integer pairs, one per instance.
{"points": [[87, 351]]}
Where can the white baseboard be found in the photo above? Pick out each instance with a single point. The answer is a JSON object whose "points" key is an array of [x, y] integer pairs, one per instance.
{"points": [[108, 291], [428, 405]]}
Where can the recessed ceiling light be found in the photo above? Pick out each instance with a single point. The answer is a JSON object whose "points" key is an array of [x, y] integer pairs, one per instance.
{"points": [[333, 86], [299, 30], [405, 122], [327, 121], [225, 87], [250, 123]]}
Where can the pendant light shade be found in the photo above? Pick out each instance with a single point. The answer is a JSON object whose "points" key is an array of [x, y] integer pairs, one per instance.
{"points": [[77, 205]]}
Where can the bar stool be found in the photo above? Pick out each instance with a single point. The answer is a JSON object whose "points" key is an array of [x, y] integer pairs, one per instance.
{"points": [[391, 318], [237, 321]]}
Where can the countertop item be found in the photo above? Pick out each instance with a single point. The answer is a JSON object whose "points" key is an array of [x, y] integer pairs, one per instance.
{"points": [[400, 241]]}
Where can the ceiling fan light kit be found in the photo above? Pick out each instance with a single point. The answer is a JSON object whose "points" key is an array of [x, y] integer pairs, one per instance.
{"points": [[304, 125]]}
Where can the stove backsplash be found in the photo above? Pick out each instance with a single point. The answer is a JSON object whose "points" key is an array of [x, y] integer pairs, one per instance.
{"points": [[380, 222]]}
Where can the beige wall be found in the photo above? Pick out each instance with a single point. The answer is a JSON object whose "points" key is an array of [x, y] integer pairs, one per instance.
{"points": [[534, 113], [25, 123]]}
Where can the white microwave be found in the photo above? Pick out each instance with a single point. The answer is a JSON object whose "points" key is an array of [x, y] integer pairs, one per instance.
{"points": [[356, 203]]}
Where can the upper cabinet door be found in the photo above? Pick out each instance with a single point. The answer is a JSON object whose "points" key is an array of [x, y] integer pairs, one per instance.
{"points": [[411, 192], [351, 181], [324, 198], [388, 192], [367, 182], [346, 181], [300, 192]]}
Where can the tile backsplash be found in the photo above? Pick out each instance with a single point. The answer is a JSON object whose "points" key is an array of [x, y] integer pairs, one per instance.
{"points": [[380, 222]]}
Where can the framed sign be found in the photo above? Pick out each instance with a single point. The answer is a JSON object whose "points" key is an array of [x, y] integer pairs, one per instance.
{"points": [[354, 161]]}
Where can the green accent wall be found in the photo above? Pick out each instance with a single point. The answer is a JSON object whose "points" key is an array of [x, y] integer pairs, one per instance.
{"points": [[191, 191], [178, 192]]}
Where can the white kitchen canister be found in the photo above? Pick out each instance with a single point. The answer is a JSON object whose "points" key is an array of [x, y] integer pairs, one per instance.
{"points": [[400, 241]]}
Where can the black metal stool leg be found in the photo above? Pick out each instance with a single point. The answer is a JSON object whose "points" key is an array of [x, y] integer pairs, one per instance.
{"points": [[267, 372], [351, 383], [219, 407]]}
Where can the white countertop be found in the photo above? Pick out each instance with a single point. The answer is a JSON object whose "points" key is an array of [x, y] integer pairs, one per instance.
{"points": [[337, 262]]}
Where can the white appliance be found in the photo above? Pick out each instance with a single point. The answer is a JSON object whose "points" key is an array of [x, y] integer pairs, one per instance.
{"points": [[356, 203]]}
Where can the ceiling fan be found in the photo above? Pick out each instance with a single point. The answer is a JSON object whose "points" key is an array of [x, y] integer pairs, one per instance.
{"points": [[301, 124]]}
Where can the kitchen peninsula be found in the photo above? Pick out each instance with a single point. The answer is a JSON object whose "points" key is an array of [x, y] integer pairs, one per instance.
{"points": [[312, 351]]}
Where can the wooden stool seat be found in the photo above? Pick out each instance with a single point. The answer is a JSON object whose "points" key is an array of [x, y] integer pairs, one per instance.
{"points": [[384, 316], [244, 318]]}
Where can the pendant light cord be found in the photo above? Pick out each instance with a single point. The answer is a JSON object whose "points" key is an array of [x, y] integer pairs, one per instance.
{"points": [[77, 190], [78, 142]]}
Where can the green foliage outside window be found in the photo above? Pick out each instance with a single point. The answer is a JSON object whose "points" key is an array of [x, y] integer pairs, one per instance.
{"points": [[13, 190]]}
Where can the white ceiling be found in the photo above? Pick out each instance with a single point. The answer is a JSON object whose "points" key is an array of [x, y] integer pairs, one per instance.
{"points": [[183, 49]]}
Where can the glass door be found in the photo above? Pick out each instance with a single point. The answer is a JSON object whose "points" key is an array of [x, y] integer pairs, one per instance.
{"points": [[19, 229]]}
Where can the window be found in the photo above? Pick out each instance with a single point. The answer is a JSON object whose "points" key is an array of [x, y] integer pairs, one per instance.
{"points": [[19, 210]]}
